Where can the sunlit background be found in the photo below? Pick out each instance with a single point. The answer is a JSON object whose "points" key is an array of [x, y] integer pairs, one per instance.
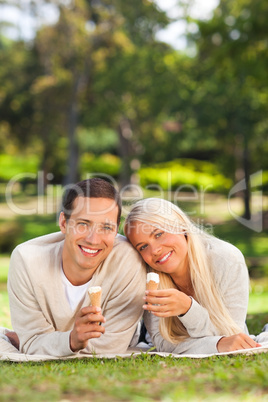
{"points": [[163, 98]]}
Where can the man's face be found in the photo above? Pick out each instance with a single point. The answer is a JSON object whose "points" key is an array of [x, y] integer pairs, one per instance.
{"points": [[89, 236]]}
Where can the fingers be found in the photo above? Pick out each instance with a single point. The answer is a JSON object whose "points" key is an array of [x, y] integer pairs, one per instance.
{"points": [[162, 314], [90, 314], [89, 310], [87, 326], [156, 300], [249, 342], [161, 293], [80, 335], [236, 342], [243, 341], [92, 319]]}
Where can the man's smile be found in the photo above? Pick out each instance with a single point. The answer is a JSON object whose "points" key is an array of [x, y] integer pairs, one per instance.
{"points": [[90, 251]]}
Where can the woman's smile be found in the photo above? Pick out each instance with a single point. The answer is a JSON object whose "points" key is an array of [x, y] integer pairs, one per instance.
{"points": [[165, 258]]}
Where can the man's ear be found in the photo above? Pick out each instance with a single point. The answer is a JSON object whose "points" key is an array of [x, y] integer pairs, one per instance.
{"points": [[62, 222]]}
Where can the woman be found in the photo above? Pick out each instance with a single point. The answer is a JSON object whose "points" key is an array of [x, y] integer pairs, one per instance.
{"points": [[201, 304]]}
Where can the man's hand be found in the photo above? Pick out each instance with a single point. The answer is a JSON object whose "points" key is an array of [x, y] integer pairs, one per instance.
{"points": [[170, 302], [236, 342], [13, 337], [86, 327]]}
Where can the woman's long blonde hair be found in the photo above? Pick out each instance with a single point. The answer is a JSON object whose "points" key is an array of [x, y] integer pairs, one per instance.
{"points": [[170, 218]]}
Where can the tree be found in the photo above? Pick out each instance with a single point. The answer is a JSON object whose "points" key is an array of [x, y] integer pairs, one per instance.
{"points": [[232, 98], [92, 77], [18, 69]]}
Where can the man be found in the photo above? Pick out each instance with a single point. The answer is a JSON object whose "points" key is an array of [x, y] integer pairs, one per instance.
{"points": [[49, 277]]}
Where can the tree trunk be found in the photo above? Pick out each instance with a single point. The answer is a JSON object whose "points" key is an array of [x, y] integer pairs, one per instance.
{"points": [[242, 172], [125, 134], [72, 174], [247, 212]]}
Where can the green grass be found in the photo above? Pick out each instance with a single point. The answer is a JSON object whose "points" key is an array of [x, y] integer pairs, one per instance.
{"points": [[143, 378]]}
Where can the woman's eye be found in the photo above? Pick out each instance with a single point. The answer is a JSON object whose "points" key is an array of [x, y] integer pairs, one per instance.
{"points": [[143, 247], [158, 234]]}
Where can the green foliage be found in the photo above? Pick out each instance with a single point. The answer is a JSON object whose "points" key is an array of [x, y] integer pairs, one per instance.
{"points": [[184, 174], [98, 141], [10, 232], [252, 245], [36, 225], [4, 265], [99, 66], [13, 165], [23, 228], [18, 69], [106, 164], [232, 54]]}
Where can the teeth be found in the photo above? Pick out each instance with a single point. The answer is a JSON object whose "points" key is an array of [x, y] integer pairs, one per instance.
{"points": [[165, 258], [89, 251]]}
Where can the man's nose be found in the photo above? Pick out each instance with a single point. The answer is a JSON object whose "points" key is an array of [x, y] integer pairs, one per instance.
{"points": [[93, 236]]}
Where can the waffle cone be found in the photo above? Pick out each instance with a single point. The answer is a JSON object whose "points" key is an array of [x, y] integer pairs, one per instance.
{"points": [[95, 299], [151, 285]]}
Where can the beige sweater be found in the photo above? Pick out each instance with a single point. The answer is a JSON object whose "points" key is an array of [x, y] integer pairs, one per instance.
{"points": [[40, 312]]}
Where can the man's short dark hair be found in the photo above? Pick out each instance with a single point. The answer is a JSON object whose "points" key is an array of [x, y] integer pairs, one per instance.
{"points": [[92, 188]]}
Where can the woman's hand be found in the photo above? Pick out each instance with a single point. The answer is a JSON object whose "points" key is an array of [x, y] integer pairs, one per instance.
{"points": [[167, 302], [236, 342]]}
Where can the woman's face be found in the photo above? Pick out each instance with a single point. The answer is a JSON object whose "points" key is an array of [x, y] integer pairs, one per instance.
{"points": [[164, 252]]}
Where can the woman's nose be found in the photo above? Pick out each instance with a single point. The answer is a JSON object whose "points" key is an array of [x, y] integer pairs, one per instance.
{"points": [[156, 249]]}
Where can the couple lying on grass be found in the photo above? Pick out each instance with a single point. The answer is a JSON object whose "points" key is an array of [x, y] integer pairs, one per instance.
{"points": [[199, 308]]}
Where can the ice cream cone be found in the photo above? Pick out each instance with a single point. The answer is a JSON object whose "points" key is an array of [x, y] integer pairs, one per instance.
{"points": [[152, 281], [95, 296], [151, 285]]}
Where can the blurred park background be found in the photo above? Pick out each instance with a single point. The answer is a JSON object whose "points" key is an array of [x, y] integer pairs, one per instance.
{"points": [[93, 90]]}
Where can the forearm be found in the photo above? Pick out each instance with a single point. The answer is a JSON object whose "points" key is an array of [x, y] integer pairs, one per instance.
{"points": [[198, 345], [197, 322], [53, 344]]}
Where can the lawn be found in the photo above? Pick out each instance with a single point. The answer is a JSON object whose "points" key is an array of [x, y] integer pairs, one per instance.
{"points": [[143, 378]]}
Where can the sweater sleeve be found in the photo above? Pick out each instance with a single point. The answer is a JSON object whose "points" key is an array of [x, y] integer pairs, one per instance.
{"points": [[201, 345], [36, 332]]}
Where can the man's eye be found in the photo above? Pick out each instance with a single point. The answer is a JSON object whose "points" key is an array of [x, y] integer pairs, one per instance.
{"points": [[108, 228], [82, 223]]}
